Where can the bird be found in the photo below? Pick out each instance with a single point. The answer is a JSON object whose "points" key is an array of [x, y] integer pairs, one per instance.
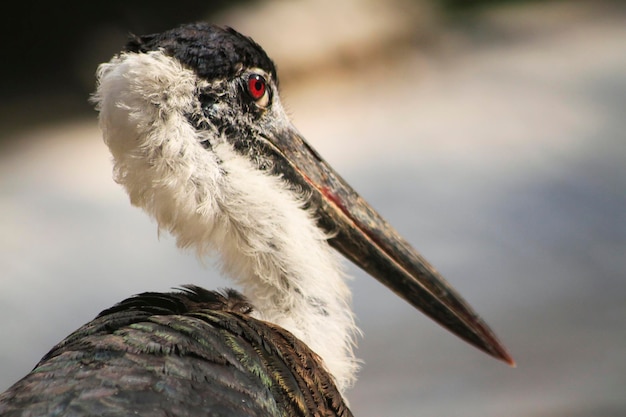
{"points": [[201, 142]]}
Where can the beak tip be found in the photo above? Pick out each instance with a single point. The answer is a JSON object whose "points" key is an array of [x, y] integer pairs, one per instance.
{"points": [[510, 361], [506, 358], [488, 342], [500, 352]]}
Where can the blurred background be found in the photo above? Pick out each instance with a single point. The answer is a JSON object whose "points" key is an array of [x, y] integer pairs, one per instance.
{"points": [[490, 133]]}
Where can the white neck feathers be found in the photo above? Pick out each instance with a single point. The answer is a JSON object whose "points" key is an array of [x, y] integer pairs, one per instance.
{"points": [[218, 201]]}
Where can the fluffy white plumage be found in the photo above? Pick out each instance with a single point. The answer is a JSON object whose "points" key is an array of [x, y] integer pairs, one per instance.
{"points": [[216, 200]]}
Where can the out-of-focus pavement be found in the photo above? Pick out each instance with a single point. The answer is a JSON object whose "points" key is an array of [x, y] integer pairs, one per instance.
{"points": [[501, 159]]}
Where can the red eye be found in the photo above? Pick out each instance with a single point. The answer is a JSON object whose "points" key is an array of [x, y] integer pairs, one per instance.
{"points": [[256, 86]]}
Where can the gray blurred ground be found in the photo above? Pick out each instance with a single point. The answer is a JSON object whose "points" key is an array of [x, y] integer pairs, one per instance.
{"points": [[499, 154]]}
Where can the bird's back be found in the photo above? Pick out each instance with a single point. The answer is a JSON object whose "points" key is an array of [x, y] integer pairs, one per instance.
{"points": [[188, 353]]}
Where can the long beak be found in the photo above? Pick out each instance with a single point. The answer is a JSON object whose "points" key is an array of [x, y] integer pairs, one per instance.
{"points": [[365, 238]]}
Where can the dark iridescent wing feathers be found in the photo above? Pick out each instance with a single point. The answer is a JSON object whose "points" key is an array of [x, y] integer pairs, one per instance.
{"points": [[187, 353]]}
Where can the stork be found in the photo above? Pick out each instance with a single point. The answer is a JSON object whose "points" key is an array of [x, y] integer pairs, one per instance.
{"points": [[200, 141]]}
